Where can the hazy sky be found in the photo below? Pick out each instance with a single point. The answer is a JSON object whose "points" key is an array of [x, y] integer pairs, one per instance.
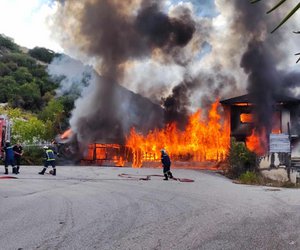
{"points": [[26, 22]]}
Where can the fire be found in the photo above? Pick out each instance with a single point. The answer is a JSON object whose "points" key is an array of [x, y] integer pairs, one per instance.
{"points": [[98, 152], [67, 134], [257, 142], [202, 140], [246, 118]]}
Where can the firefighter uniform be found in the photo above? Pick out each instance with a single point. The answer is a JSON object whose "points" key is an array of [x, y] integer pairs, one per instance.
{"points": [[166, 162], [49, 159], [9, 158], [18, 152]]}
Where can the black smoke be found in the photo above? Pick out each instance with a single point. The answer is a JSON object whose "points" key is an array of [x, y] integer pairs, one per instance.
{"points": [[114, 33], [261, 58]]}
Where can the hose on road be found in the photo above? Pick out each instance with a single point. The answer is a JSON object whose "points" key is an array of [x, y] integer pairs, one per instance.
{"points": [[148, 177]]}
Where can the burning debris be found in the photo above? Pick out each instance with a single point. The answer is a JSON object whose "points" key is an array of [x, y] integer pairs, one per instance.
{"points": [[120, 37]]}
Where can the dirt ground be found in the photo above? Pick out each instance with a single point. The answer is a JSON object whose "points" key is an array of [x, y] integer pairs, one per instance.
{"points": [[95, 208]]}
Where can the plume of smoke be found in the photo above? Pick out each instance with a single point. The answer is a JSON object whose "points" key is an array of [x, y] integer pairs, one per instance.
{"points": [[136, 42], [111, 34], [261, 59], [72, 74]]}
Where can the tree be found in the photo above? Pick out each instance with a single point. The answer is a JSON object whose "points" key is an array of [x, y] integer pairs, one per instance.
{"points": [[6, 42], [53, 115], [27, 97], [42, 54], [28, 131]]}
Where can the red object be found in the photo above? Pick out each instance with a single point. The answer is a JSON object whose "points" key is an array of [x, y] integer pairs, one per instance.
{"points": [[8, 177]]}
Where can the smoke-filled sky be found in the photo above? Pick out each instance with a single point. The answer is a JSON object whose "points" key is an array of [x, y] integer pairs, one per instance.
{"points": [[181, 55]]}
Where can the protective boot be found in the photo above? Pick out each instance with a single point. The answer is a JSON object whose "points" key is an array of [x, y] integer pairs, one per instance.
{"points": [[43, 171], [166, 177], [170, 175], [18, 170], [6, 170], [54, 171], [14, 170]]}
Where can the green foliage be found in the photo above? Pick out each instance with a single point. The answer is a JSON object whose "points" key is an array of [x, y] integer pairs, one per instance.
{"points": [[7, 43], [22, 75], [29, 94], [26, 127], [30, 97], [240, 159], [42, 54], [249, 178], [23, 82], [28, 131], [33, 155], [53, 116]]}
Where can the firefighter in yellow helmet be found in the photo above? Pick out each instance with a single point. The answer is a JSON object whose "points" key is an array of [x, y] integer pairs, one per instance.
{"points": [[49, 159]]}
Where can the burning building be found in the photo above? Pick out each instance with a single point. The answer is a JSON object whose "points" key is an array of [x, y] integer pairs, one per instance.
{"points": [[263, 140], [180, 61]]}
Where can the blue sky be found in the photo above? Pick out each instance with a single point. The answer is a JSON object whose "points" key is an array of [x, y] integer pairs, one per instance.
{"points": [[203, 7]]}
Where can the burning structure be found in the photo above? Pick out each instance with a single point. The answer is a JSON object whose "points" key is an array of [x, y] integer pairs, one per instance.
{"points": [[181, 61], [280, 137]]}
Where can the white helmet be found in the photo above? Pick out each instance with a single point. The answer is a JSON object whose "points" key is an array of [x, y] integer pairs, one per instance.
{"points": [[45, 147]]}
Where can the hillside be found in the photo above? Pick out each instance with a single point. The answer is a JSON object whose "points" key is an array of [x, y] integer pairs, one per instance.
{"points": [[39, 115], [27, 92]]}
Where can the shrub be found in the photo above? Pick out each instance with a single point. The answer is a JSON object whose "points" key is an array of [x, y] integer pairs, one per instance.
{"points": [[240, 159], [32, 156], [249, 178]]}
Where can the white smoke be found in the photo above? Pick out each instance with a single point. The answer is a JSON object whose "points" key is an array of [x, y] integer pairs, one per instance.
{"points": [[74, 76]]}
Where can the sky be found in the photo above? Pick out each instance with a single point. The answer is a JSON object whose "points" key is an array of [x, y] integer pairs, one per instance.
{"points": [[230, 51], [27, 22]]}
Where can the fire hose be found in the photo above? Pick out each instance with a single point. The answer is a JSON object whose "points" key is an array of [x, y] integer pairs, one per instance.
{"points": [[148, 177], [8, 177]]}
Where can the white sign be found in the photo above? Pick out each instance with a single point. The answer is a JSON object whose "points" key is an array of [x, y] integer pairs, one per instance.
{"points": [[280, 143]]}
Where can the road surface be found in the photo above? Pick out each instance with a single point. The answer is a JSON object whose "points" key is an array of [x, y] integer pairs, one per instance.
{"points": [[94, 208]]}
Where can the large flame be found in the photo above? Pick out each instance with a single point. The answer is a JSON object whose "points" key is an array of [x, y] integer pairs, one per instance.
{"points": [[202, 140], [257, 142]]}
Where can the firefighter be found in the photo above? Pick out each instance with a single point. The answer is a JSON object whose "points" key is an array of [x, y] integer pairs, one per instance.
{"points": [[166, 162], [18, 152], [49, 159], [9, 158]]}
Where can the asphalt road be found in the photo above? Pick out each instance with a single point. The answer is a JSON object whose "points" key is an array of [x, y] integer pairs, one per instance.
{"points": [[94, 208]]}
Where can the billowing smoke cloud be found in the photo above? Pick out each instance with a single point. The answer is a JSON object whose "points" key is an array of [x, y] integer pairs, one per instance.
{"points": [[169, 54], [111, 34], [261, 58], [72, 74]]}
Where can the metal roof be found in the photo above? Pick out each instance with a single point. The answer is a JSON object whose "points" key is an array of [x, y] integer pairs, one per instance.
{"points": [[249, 98]]}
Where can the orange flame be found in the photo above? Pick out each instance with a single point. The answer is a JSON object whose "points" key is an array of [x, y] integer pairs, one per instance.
{"points": [[66, 134], [246, 118], [98, 152], [257, 142], [203, 139]]}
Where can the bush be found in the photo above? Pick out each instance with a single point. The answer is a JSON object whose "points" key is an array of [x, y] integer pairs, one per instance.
{"points": [[32, 156], [240, 159], [249, 178]]}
